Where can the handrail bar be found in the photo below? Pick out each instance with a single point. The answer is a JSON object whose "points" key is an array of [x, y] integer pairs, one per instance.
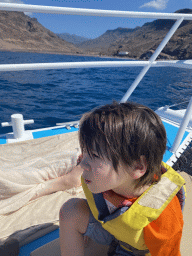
{"points": [[177, 104], [92, 64], [91, 12]]}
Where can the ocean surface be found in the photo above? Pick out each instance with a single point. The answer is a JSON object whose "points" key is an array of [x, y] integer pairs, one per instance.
{"points": [[54, 96]]}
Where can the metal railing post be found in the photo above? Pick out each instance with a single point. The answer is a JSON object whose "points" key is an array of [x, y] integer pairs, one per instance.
{"points": [[182, 127], [153, 58]]}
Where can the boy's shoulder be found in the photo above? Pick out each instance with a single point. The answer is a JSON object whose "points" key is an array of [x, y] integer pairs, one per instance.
{"points": [[160, 194]]}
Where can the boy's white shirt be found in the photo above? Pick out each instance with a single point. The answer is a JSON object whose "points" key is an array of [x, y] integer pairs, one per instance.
{"points": [[110, 206]]}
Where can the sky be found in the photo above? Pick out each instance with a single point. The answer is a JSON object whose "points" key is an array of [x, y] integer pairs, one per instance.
{"points": [[92, 27]]}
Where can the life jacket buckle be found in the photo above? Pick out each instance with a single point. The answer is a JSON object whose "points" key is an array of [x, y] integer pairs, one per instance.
{"points": [[115, 243]]}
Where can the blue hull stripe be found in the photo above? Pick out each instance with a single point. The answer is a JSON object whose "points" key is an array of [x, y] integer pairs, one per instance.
{"points": [[47, 133], [28, 248], [3, 140]]}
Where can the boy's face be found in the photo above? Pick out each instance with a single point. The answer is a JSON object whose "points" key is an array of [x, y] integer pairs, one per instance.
{"points": [[99, 174]]}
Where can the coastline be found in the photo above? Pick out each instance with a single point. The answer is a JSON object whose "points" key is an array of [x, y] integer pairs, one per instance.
{"points": [[65, 53], [83, 54]]}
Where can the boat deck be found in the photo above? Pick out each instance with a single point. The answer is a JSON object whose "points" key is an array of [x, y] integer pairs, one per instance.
{"points": [[171, 130]]}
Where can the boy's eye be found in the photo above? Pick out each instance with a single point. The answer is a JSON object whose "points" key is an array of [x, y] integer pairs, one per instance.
{"points": [[95, 156]]}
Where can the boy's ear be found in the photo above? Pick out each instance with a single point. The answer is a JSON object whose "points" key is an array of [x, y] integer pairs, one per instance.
{"points": [[140, 167], [142, 163]]}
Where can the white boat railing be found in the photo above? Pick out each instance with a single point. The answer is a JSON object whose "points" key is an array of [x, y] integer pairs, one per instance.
{"points": [[91, 12], [187, 64], [182, 127], [179, 17]]}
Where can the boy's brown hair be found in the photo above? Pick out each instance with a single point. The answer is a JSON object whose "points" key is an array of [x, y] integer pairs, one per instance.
{"points": [[124, 132]]}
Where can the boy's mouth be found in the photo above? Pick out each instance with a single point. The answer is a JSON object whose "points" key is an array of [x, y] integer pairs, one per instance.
{"points": [[87, 181]]}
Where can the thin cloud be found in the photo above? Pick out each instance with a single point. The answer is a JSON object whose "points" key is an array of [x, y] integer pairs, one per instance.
{"points": [[16, 2], [12, 1], [157, 4]]}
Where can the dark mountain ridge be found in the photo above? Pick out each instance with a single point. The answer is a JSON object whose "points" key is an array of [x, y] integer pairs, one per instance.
{"points": [[141, 42]]}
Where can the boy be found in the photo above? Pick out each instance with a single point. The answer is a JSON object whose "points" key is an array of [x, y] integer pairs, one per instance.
{"points": [[132, 197]]}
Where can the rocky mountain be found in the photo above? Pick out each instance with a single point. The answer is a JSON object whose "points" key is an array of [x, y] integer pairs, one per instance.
{"points": [[74, 39], [142, 41], [19, 32]]}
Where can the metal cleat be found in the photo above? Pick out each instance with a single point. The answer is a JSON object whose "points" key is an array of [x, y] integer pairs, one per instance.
{"points": [[17, 124]]}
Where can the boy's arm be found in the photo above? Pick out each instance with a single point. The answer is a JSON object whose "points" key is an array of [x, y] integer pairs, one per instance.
{"points": [[163, 235], [67, 181]]}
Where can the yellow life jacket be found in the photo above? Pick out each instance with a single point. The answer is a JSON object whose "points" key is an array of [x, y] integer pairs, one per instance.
{"points": [[127, 225]]}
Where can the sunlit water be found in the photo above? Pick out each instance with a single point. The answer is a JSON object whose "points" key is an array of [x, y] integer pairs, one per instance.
{"points": [[52, 96]]}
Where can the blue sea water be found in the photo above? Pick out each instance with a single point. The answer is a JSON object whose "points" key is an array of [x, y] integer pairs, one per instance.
{"points": [[53, 96]]}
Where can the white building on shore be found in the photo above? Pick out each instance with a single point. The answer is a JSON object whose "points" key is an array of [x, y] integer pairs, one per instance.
{"points": [[123, 53]]}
